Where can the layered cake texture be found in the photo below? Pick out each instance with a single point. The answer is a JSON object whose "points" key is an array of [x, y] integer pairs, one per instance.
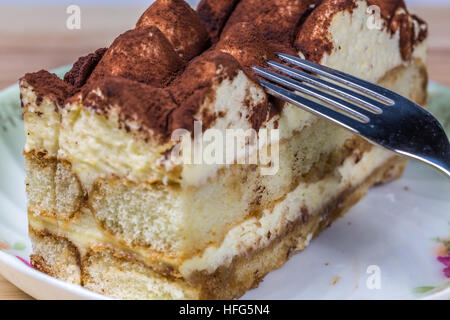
{"points": [[112, 210]]}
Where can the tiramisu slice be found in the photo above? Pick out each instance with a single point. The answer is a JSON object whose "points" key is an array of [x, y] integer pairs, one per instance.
{"points": [[112, 208]]}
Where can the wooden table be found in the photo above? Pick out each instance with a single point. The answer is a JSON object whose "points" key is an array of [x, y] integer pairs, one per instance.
{"points": [[37, 38]]}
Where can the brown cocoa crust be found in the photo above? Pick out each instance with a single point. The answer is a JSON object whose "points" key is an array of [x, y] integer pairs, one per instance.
{"points": [[148, 106], [275, 20], [180, 24], [313, 37], [164, 110], [403, 22], [144, 55], [46, 84], [243, 41], [423, 32], [214, 14], [246, 44], [82, 69], [196, 84]]}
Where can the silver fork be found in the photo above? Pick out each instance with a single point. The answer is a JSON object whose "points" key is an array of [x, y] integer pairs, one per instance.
{"points": [[371, 111]]}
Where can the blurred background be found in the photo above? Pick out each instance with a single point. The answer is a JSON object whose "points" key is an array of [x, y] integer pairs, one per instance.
{"points": [[34, 36]]}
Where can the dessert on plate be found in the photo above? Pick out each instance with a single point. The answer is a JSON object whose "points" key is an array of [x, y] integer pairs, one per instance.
{"points": [[110, 208]]}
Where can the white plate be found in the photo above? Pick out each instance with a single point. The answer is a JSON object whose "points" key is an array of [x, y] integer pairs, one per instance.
{"points": [[390, 240]]}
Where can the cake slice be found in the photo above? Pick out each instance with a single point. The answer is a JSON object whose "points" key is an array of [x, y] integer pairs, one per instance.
{"points": [[112, 209]]}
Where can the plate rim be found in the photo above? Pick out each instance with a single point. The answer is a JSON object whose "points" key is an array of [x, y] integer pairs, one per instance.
{"points": [[17, 265]]}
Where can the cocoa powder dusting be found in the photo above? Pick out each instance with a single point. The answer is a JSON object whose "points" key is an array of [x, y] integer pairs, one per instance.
{"points": [[46, 84], [83, 68], [159, 74]]}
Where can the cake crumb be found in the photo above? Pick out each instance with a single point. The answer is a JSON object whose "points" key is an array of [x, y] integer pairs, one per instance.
{"points": [[336, 280]]}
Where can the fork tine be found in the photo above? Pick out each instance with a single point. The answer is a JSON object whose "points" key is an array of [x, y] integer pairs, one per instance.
{"points": [[373, 105], [362, 114], [407, 129], [311, 106], [362, 85]]}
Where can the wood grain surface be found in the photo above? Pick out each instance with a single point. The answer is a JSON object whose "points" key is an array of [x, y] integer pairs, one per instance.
{"points": [[37, 38]]}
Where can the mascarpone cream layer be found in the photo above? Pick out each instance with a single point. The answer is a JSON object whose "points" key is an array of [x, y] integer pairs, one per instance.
{"points": [[248, 235], [252, 234]]}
